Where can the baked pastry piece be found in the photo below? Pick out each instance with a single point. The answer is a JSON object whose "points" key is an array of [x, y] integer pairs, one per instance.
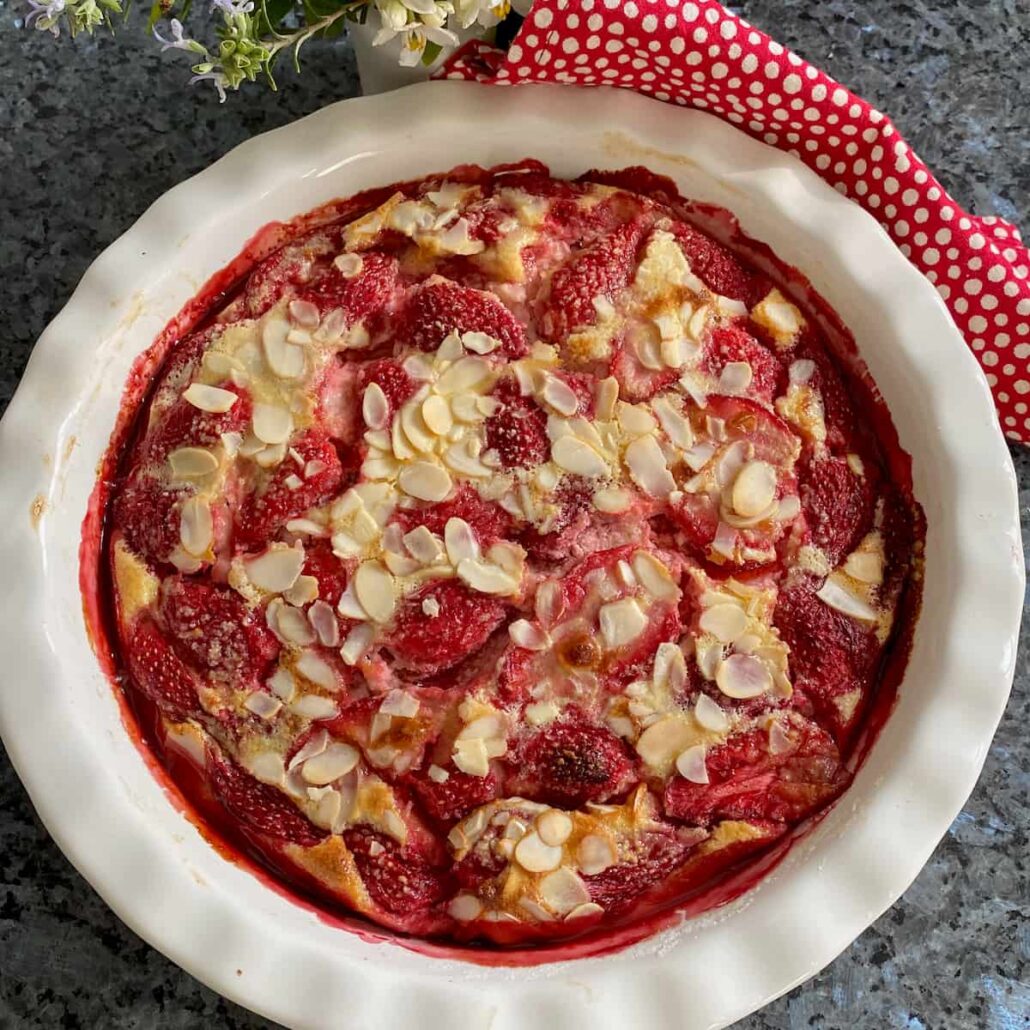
{"points": [[507, 560]]}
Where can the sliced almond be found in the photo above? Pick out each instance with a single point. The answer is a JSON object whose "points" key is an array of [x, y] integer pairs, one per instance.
{"points": [[834, 594], [725, 621], [293, 626], [524, 634], [463, 376], [356, 646], [421, 437], [710, 716], [594, 855], [375, 408], [317, 670], [323, 621], [612, 500], [560, 395], [673, 423], [400, 704], [470, 756], [464, 908], [662, 742], [348, 265], [285, 358], [276, 569], [304, 314], [480, 343], [460, 541], [282, 684], [196, 527], [535, 856], [192, 462], [670, 667], [272, 423], [654, 577], [436, 413], [647, 467], [735, 378], [375, 591], [754, 489], [423, 545], [691, 764], [621, 622], [487, 579], [263, 705], [562, 891], [554, 827], [312, 706], [303, 591], [572, 455], [335, 761], [210, 398], [606, 395], [424, 480], [743, 676], [635, 419]]}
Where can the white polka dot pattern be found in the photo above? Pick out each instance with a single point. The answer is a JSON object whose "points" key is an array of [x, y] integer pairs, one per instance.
{"points": [[700, 55]]}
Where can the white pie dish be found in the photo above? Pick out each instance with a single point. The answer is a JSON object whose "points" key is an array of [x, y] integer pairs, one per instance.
{"points": [[113, 819]]}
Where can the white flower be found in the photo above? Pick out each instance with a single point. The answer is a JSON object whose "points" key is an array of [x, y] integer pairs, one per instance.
{"points": [[487, 12], [419, 22]]}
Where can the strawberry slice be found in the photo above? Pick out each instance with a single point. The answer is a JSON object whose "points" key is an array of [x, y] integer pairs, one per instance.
{"points": [[148, 515], [716, 267], [637, 383], [288, 268], [265, 512], [489, 521], [730, 343], [463, 623], [832, 656], [517, 430], [396, 878], [358, 296], [838, 411], [747, 781], [646, 860], [744, 419], [213, 628], [184, 425], [258, 805], [326, 567], [570, 763], [456, 796], [575, 509], [603, 270], [159, 672], [438, 308], [838, 505], [395, 383]]}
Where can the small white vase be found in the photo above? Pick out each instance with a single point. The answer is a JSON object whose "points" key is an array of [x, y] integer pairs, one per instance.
{"points": [[379, 66]]}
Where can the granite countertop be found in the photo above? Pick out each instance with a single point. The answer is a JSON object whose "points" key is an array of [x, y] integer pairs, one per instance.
{"points": [[92, 131]]}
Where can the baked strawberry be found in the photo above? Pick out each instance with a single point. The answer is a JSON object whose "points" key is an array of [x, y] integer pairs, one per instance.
{"points": [[213, 628], [395, 383], [396, 879], [647, 860], [603, 271], [745, 419], [437, 308], [331, 573], [832, 656], [159, 673], [837, 504], [488, 520], [358, 295], [256, 805], [838, 411], [184, 425], [463, 621], [569, 763], [748, 780], [730, 343], [456, 796], [267, 510], [518, 430], [637, 382], [147, 512], [573, 500], [717, 268], [287, 269]]}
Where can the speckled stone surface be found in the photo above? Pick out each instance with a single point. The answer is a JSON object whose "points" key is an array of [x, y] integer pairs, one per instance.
{"points": [[92, 131]]}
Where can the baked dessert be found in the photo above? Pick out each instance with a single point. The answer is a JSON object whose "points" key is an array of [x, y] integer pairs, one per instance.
{"points": [[503, 558]]}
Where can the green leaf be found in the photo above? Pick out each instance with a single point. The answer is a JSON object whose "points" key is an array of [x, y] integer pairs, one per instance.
{"points": [[431, 53]]}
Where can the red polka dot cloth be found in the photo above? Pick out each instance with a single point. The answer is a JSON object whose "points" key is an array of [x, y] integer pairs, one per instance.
{"points": [[700, 55]]}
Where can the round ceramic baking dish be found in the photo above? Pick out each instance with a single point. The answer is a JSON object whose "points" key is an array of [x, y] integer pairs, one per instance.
{"points": [[99, 798]]}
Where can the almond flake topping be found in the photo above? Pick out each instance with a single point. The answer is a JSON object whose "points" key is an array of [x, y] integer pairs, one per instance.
{"points": [[743, 676], [276, 569], [535, 856], [375, 408], [196, 527], [425, 481], [272, 424], [374, 589], [210, 398], [621, 622], [192, 462]]}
